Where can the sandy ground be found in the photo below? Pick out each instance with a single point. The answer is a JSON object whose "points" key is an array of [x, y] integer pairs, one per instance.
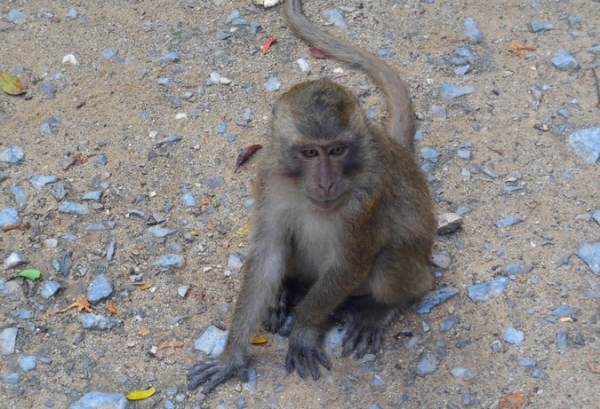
{"points": [[117, 108]]}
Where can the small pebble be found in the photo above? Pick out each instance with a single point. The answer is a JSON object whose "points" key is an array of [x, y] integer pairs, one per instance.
{"points": [[471, 30], [71, 13], [564, 61], [39, 181], [47, 89], [482, 292], [430, 154], [73, 208], [586, 143], [188, 199], [158, 231], [449, 222], [169, 139], [14, 260], [590, 254], [561, 340], [514, 336], [63, 264], [333, 16], [9, 216], [183, 290], [516, 269], [16, 17], [12, 154], [21, 196], [527, 362], [212, 341], [537, 26], [95, 399], [272, 84], [170, 260], [50, 288], [435, 298], [463, 373], [27, 363], [234, 263], [508, 221], [449, 323], [427, 365], [169, 57], [11, 379], [449, 91], [100, 288], [214, 182], [93, 321], [8, 338], [564, 311], [92, 195]]}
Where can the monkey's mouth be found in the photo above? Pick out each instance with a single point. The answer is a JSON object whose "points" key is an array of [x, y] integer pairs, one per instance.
{"points": [[326, 204]]}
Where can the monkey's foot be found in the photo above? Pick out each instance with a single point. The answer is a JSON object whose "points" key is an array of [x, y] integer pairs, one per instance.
{"points": [[213, 372], [364, 334], [299, 355]]}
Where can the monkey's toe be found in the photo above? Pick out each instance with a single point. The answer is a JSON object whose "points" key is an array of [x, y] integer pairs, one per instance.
{"points": [[362, 336]]}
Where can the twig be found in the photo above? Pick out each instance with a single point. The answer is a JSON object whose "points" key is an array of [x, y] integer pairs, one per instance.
{"points": [[597, 83]]}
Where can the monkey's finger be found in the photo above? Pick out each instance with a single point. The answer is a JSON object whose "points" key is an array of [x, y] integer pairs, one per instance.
{"points": [[323, 359], [219, 377], [201, 366], [200, 377], [296, 362], [312, 366]]}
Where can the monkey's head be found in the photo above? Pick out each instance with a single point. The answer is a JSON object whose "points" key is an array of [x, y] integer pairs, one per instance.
{"points": [[320, 135]]}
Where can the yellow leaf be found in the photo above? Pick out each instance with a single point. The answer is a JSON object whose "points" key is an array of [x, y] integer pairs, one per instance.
{"points": [[566, 319], [10, 84], [139, 395], [244, 231], [258, 340]]}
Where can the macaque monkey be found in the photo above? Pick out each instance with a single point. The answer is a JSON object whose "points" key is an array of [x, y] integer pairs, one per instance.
{"points": [[343, 220]]}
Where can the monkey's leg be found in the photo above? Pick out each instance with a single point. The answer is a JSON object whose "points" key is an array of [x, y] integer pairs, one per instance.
{"points": [[367, 328], [290, 294]]}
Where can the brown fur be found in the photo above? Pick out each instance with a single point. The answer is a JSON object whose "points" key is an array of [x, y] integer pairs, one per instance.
{"points": [[342, 209]]}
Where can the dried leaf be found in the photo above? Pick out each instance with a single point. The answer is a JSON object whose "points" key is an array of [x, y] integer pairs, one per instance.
{"points": [[111, 308], [317, 53], [171, 344], [143, 332], [139, 395], [519, 49], [267, 44], [244, 231], [30, 274], [205, 201], [594, 369], [258, 340], [246, 153], [513, 401], [10, 84], [19, 226], [81, 304]]}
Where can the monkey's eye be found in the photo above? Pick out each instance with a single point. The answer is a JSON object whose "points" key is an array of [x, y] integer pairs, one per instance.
{"points": [[337, 151], [310, 153]]}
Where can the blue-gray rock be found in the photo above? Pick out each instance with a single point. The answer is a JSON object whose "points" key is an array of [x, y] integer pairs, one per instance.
{"points": [[595, 50], [596, 216], [537, 26], [464, 154], [158, 231], [101, 400], [376, 381], [482, 292], [11, 379], [51, 125], [586, 143], [110, 250], [439, 111], [481, 169], [94, 195], [462, 70], [9, 216], [333, 16], [188, 199], [212, 341], [459, 61], [561, 340], [449, 91], [169, 139], [169, 57], [222, 129], [234, 263], [73, 208], [465, 53], [214, 183], [333, 337], [427, 365], [252, 383], [8, 338], [573, 20], [47, 89], [58, 191], [514, 336], [230, 137], [430, 154], [250, 202], [3, 176], [385, 52], [565, 113], [527, 362], [63, 264], [564, 61], [463, 373], [590, 254], [564, 311], [16, 17], [169, 405], [101, 160], [71, 13], [99, 288], [170, 260], [254, 27], [508, 221], [50, 288], [516, 269], [108, 53], [14, 260], [23, 314], [93, 321], [27, 363], [232, 16], [435, 298], [12, 154], [39, 181], [272, 84], [449, 323], [240, 22], [471, 29], [21, 196], [164, 81]]}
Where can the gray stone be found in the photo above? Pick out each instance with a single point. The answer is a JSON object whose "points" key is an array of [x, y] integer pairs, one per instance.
{"points": [[9, 216], [27, 363], [482, 292], [564, 61], [272, 84], [21, 196], [50, 288], [590, 254], [171, 260], [212, 341], [449, 323], [169, 57], [449, 91], [101, 400], [463, 373], [12, 154], [333, 16], [537, 26], [14, 260], [516, 269], [564, 311], [435, 298], [472, 31], [93, 321], [514, 336], [586, 143], [8, 338], [158, 231], [39, 181], [427, 365], [508, 221], [99, 288], [73, 208]]}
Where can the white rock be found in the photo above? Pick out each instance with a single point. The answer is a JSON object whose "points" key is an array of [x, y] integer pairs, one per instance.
{"points": [[69, 58]]}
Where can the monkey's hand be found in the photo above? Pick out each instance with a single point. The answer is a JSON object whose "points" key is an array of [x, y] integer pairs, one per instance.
{"points": [[213, 372], [305, 351]]}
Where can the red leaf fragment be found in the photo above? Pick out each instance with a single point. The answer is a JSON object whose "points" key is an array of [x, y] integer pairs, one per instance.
{"points": [[246, 153], [267, 44], [317, 53]]}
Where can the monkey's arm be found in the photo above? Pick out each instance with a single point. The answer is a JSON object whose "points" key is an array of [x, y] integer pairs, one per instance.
{"points": [[306, 339], [262, 275]]}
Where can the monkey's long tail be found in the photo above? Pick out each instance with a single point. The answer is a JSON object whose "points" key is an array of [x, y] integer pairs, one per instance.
{"points": [[401, 122]]}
